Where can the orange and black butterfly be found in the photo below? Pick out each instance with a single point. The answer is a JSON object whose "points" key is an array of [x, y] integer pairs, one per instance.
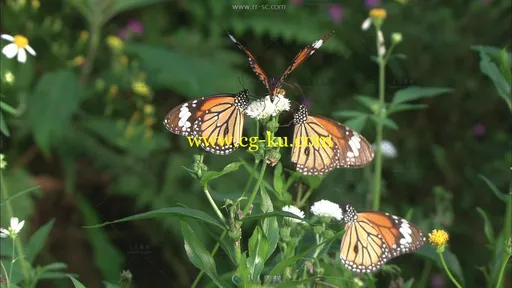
{"points": [[218, 119], [274, 84], [371, 238], [321, 145]]}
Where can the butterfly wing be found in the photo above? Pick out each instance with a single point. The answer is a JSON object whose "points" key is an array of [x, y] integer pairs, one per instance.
{"points": [[193, 118], [355, 151], [313, 150], [374, 238], [252, 62], [299, 59]]}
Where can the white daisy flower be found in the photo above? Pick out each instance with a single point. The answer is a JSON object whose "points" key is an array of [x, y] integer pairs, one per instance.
{"points": [[325, 208], [14, 229], [264, 108], [366, 24], [388, 149], [17, 47], [294, 210]]}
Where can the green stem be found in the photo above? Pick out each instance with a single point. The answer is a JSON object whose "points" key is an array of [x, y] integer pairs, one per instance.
{"points": [[507, 235], [305, 198], [424, 275], [319, 239], [91, 52], [378, 140], [255, 189], [448, 271], [502, 270], [16, 241], [12, 262], [6, 276], [212, 203]]}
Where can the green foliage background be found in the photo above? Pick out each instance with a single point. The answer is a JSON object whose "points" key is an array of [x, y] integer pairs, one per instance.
{"points": [[91, 170]]}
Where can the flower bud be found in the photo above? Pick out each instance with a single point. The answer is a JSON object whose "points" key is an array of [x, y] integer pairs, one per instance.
{"points": [[396, 38]]}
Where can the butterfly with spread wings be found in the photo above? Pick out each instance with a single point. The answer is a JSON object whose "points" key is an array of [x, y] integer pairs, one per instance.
{"points": [[274, 84], [372, 238], [321, 145], [218, 120]]}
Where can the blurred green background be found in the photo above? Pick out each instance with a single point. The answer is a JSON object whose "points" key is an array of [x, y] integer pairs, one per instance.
{"points": [[90, 130]]}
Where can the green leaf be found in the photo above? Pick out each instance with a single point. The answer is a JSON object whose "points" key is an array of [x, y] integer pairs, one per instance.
{"points": [[136, 143], [55, 266], [120, 6], [198, 255], [110, 285], [409, 283], [369, 102], [52, 275], [20, 194], [387, 122], [269, 226], [242, 275], [76, 283], [179, 212], [258, 250], [272, 214], [226, 245], [185, 74], [210, 175], [3, 126], [278, 179], [49, 109], [492, 71], [107, 258], [494, 189], [492, 51], [452, 262], [405, 107], [489, 233], [415, 92], [505, 65], [38, 240], [348, 113], [358, 123]]}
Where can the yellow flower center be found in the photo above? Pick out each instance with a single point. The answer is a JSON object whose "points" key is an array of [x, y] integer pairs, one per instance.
{"points": [[114, 42], [438, 238], [20, 41], [378, 13]]}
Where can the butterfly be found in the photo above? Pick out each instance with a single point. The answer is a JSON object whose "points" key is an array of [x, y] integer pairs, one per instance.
{"points": [[371, 238], [217, 119], [321, 144], [274, 84]]}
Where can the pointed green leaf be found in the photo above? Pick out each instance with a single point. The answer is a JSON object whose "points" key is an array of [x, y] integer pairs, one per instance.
{"points": [[198, 255], [179, 212], [405, 107], [386, 122], [369, 102], [258, 250], [415, 92], [55, 266], [505, 66], [491, 70], [409, 283], [272, 214], [3, 126], [56, 98], [56, 275], [76, 283], [210, 175], [38, 240], [489, 233], [358, 123], [494, 189], [278, 179], [269, 226], [242, 275]]}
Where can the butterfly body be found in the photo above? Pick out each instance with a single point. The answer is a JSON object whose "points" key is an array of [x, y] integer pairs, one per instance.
{"points": [[330, 145], [372, 238], [274, 84], [218, 119]]}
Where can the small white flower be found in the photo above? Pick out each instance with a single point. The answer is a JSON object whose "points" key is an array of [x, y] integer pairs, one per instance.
{"points": [[325, 208], [14, 229], [366, 24], [264, 108], [17, 47], [388, 149], [294, 210]]}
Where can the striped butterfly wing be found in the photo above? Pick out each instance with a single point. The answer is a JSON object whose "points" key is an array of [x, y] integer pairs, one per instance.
{"points": [[252, 62], [313, 150], [355, 151], [372, 238], [302, 56], [193, 119]]}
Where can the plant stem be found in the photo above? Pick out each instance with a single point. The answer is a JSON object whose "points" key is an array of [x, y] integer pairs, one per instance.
{"points": [[378, 140], [507, 235], [255, 189], [448, 271], [12, 260], [91, 52], [214, 206], [6, 276], [16, 241], [502, 270], [305, 198], [424, 275]]}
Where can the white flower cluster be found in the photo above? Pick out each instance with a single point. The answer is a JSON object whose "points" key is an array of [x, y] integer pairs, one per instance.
{"points": [[265, 107], [326, 208], [294, 210]]}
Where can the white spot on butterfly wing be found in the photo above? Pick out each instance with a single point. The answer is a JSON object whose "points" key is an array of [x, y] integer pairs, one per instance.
{"points": [[355, 144], [317, 45]]}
